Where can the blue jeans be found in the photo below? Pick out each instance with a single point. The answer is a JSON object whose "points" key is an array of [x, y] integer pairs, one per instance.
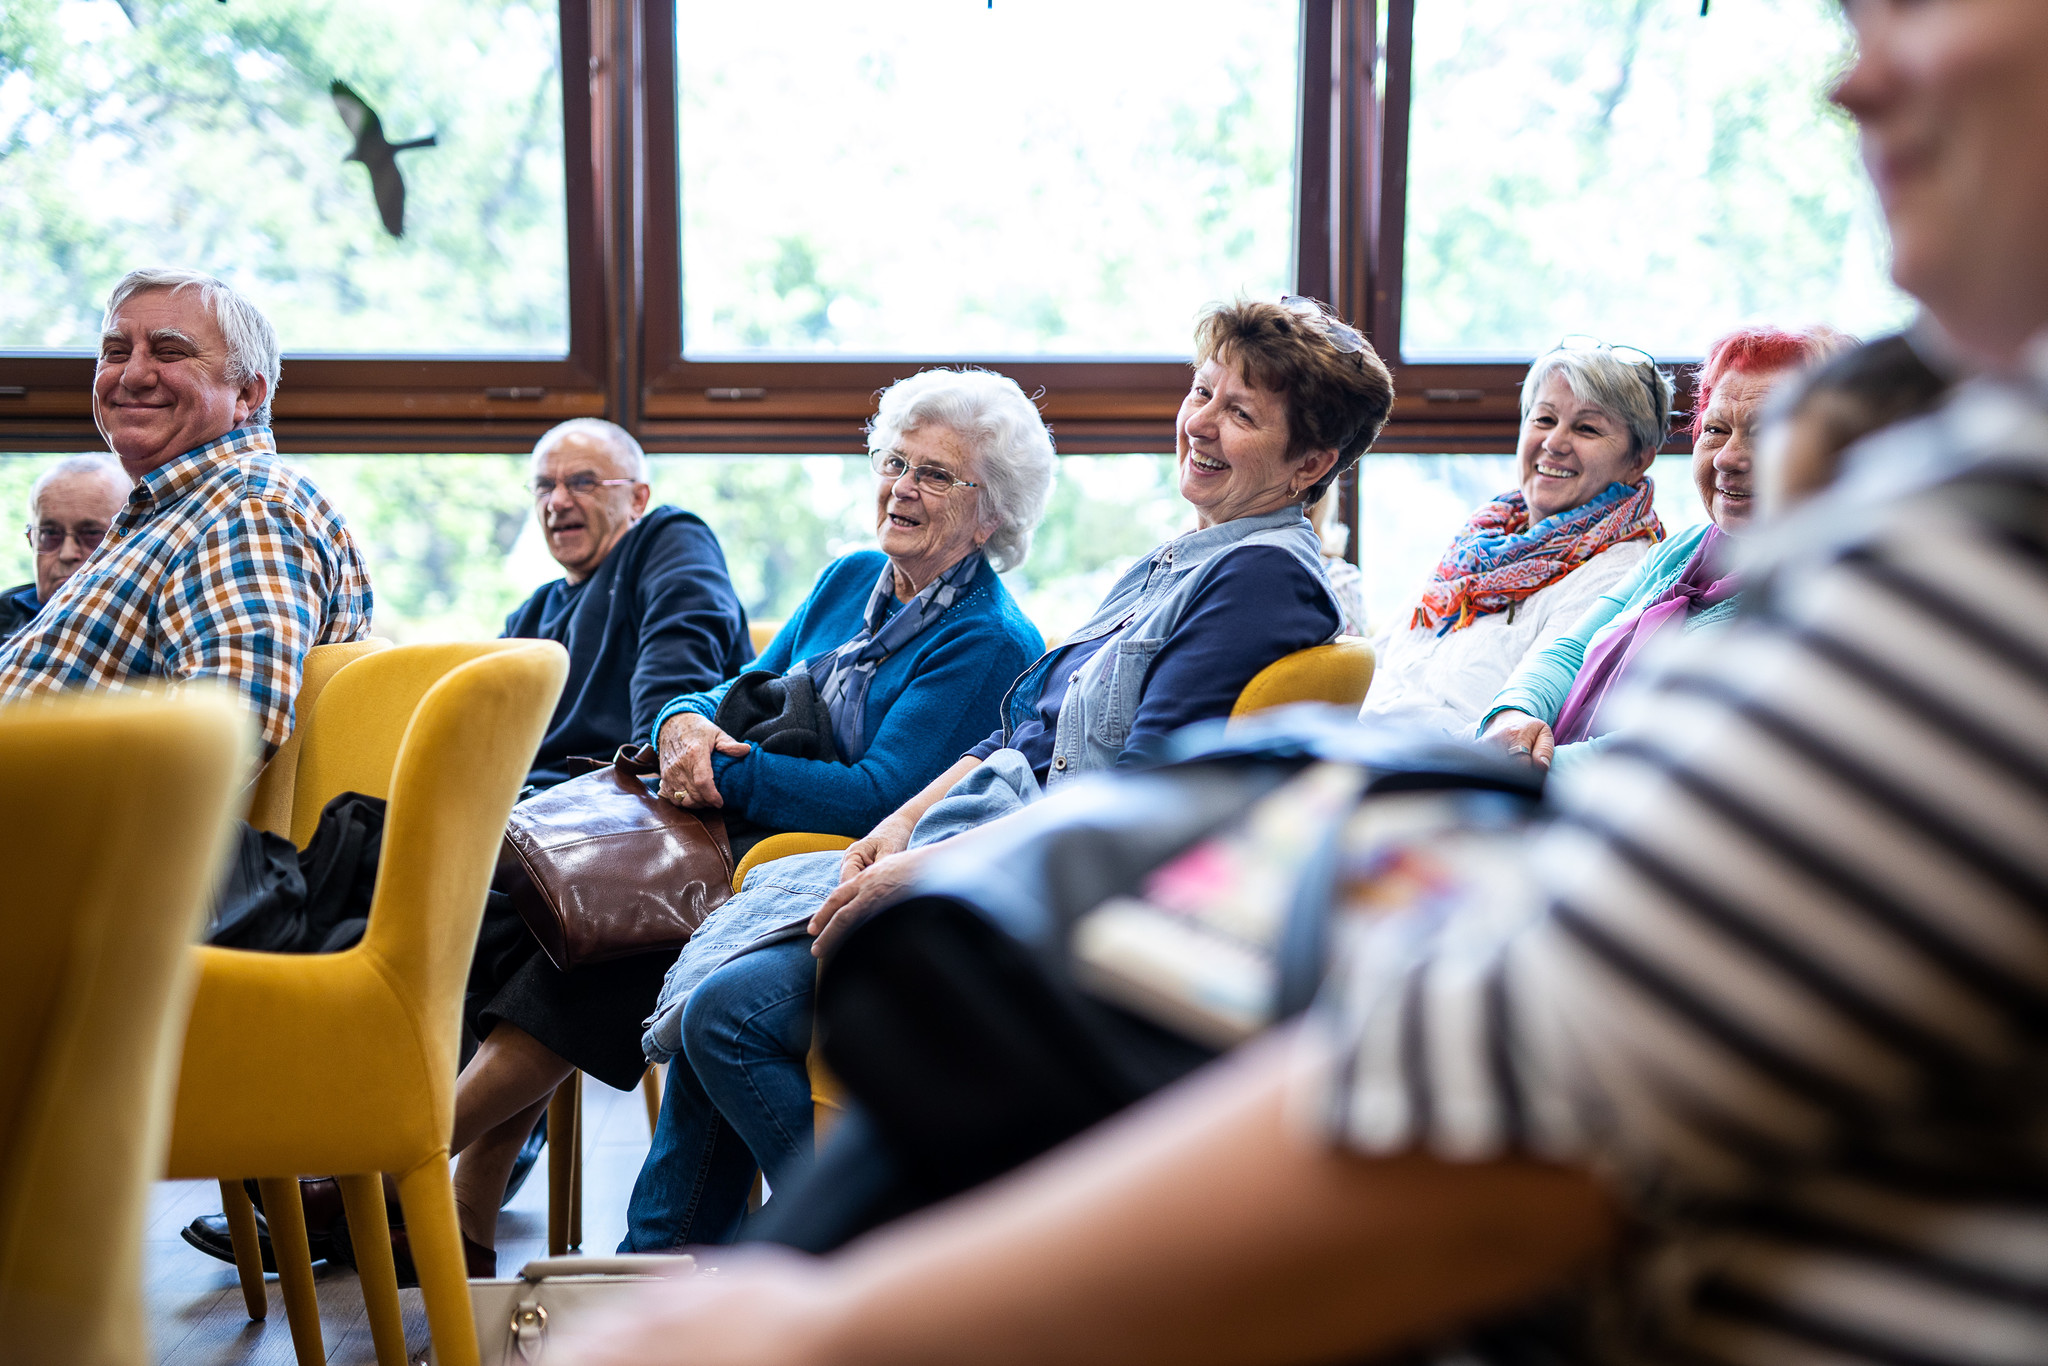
{"points": [[738, 1097]]}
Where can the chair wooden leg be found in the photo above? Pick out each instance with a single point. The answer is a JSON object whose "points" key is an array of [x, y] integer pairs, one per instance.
{"points": [[241, 1214], [287, 1219], [565, 1152], [576, 1179], [650, 1091], [430, 1228], [363, 1197]]}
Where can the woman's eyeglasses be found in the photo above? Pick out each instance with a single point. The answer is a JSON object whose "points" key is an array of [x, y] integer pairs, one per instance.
{"points": [[1342, 335], [936, 480], [48, 540], [582, 485], [1629, 355]]}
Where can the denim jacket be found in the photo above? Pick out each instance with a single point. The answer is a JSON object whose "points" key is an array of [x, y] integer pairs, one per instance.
{"points": [[1141, 610]]}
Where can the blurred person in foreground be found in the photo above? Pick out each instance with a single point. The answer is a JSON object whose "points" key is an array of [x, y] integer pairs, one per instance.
{"points": [[1530, 561], [70, 507], [1553, 704], [225, 563], [644, 606], [1284, 397], [1778, 1015]]}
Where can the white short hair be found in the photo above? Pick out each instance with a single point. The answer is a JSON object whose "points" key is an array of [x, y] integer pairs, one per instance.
{"points": [[94, 462], [251, 342], [610, 434], [1003, 431]]}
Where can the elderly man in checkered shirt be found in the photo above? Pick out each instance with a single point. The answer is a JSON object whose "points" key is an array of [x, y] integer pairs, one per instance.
{"points": [[225, 563]]}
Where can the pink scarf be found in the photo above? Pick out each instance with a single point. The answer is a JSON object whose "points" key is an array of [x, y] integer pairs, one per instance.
{"points": [[1607, 661]]}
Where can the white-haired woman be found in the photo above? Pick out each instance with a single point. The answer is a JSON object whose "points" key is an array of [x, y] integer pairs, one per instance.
{"points": [[1530, 561], [909, 649]]}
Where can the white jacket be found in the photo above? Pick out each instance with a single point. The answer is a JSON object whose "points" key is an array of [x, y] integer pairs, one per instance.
{"points": [[1446, 683]]}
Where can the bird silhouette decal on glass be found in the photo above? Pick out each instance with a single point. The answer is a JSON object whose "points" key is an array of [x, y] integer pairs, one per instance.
{"points": [[378, 156]]}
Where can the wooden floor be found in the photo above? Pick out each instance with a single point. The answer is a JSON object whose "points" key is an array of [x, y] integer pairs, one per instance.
{"points": [[195, 1302]]}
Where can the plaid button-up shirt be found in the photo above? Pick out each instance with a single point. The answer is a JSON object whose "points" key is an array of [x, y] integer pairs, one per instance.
{"points": [[226, 563]]}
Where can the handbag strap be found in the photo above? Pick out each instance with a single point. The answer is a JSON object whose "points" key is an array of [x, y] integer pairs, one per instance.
{"points": [[541, 1268]]}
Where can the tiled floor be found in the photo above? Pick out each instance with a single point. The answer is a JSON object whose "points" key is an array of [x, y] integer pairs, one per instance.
{"points": [[195, 1303]]}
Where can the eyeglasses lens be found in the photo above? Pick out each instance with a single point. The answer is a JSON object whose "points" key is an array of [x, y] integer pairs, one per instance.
{"points": [[49, 540]]}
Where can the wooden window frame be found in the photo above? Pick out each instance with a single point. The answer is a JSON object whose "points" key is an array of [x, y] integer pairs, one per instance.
{"points": [[626, 361], [337, 403], [1106, 406], [1439, 407]]}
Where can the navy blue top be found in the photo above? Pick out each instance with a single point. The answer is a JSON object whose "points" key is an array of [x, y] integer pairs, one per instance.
{"points": [[18, 607], [658, 617], [926, 702], [1256, 605]]}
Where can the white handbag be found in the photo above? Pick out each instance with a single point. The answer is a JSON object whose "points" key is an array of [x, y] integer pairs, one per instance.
{"points": [[516, 1317]]}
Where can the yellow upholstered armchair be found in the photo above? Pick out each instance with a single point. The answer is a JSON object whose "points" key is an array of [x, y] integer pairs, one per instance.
{"points": [[270, 802], [345, 1062], [105, 885], [1339, 673]]}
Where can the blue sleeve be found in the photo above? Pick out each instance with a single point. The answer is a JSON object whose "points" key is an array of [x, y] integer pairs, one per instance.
{"points": [[1257, 604], [986, 747], [1540, 684], [950, 703], [690, 618]]}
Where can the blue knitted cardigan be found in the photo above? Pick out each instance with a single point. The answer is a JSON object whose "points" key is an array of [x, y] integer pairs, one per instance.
{"points": [[927, 706]]}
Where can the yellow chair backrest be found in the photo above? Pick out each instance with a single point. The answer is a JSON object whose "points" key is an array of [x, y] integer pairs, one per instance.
{"points": [[472, 725], [353, 734], [1338, 673], [104, 884], [270, 805], [762, 633]]}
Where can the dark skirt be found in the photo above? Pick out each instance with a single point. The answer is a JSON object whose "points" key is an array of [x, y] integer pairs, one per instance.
{"points": [[591, 1017]]}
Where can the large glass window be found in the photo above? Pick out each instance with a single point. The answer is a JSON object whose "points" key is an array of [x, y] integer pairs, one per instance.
{"points": [[211, 136], [1636, 170], [944, 178]]}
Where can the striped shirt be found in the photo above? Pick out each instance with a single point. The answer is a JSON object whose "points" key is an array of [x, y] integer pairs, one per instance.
{"points": [[225, 563], [1784, 980]]}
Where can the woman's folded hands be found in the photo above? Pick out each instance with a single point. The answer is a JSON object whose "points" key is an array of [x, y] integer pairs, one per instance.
{"points": [[687, 743], [1523, 736]]}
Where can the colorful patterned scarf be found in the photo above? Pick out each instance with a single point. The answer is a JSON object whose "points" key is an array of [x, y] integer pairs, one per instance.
{"points": [[1499, 559]]}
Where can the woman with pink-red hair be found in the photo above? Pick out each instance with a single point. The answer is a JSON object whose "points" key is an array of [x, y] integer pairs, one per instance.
{"points": [[1550, 711]]}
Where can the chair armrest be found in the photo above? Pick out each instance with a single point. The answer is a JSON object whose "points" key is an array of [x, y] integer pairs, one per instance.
{"points": [[784, 846]]}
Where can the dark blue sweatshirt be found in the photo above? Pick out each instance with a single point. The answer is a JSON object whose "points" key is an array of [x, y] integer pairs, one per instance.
{"points": [[658, 618]]}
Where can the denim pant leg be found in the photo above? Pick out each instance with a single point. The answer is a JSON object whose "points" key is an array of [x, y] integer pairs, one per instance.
{"points": [[739, 1021], [747, 1037], [693, 1186]]}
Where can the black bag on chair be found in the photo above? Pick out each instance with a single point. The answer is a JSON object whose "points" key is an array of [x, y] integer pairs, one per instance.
{"points": [[956, 1019]]}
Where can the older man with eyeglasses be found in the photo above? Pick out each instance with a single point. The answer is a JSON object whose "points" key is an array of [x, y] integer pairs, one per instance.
{"points": [[644, 605], [224, 562], [70, 507]]}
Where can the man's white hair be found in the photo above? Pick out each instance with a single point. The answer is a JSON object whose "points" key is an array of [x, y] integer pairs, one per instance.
{"points": [[1002, 430], [95, 462], [251, 341], [610, 434]]}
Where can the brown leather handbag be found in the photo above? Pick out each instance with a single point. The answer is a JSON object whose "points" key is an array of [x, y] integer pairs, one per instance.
{"points": [[600, 867]]}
